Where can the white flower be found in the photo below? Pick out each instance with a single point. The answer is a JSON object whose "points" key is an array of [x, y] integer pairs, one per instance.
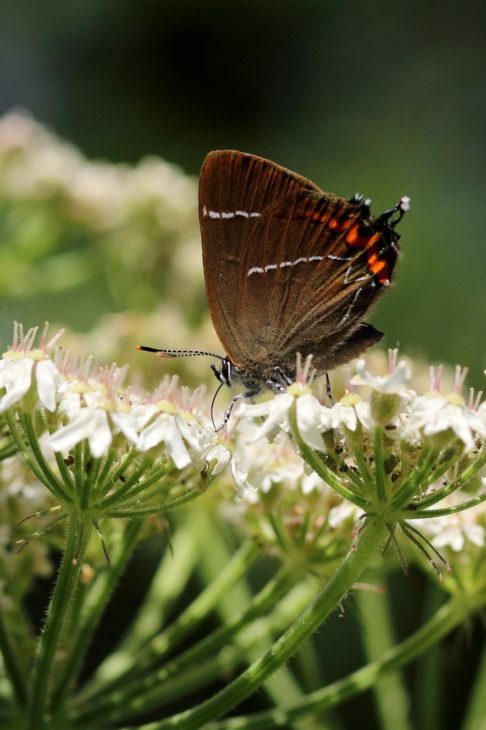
{"points": [[341, 513], [91, 424], [219, 456], [275, 409], [21, 364], [309, 416], [395, 382], [164, 429], [349, 411], [15, 378], [133, 420], [435, 414], [458, 529]]}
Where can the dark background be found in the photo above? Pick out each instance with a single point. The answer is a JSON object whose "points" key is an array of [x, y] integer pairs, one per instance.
{"points": [[384, 98]]}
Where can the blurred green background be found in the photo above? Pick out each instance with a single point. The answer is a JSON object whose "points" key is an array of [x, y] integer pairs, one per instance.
{"points": [[384, 98]]}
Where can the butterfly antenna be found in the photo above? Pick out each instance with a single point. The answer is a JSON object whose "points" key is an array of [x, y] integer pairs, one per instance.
{"points": [[178, 353], [212, 406]]}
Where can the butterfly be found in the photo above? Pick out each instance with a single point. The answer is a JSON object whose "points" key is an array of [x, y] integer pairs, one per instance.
{"points": [[288, 269]]}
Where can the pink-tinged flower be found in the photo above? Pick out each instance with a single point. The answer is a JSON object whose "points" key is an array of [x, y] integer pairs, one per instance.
{"points": [[22, 365], [435, 413], [394, 382]]}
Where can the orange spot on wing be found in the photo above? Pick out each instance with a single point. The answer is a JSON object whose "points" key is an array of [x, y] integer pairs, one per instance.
{"points": [[357, 240]]}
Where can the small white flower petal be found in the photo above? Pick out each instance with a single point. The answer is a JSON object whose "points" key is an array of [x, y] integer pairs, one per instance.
{"points": [[72, 433], [240, 477], [276, 411], [312, 482], [70, 404], [48, 381], [164, 429], [101, 436], [341, 513], [131, 423], [221, 455], [394, 382], [345, 415], [309, 421], [15, 378]]}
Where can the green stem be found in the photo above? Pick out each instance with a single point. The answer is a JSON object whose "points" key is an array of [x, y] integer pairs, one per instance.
{"points": [[26, 421], [11, 666], [428, 670], [103, 480], [95, 603], [8, 450], [120, 470], [161, 508], [167, 584], [78, 466], [371, 537], [476, 711], [379, 465], [48, 643], [136, 697], [119, 493], [421, 514], [458, 483], [378, 637], [316, 463], [52, 486], [411, 486], [445, 620]]}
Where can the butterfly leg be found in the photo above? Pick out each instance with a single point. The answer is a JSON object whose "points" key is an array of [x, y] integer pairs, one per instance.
{"points": [[239, 396], [328, 389], [275, 385], [286, 378]]}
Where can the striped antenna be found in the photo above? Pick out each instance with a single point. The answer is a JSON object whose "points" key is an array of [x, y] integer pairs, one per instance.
{"points": [[179, 353]]}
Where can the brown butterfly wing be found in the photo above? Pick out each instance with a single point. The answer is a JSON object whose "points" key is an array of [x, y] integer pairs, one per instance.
{"points": [[288, 268], [234, 191], [343, 260]]}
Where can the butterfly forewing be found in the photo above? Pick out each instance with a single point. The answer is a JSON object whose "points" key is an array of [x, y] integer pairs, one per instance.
{"points": [[234, 191], [288, 268]]}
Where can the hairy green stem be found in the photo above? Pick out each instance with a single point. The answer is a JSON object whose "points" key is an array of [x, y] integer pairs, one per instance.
{"points": [[133, 699], [97, 598], [445, 620], [371, 537], [11, 665], [77, 538]]}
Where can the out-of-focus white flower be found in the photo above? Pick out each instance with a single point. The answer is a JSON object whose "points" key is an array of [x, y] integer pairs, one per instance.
{"points": [[395, 382], [435, 413], [456, 530], [342, 513], [21, 364]]}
